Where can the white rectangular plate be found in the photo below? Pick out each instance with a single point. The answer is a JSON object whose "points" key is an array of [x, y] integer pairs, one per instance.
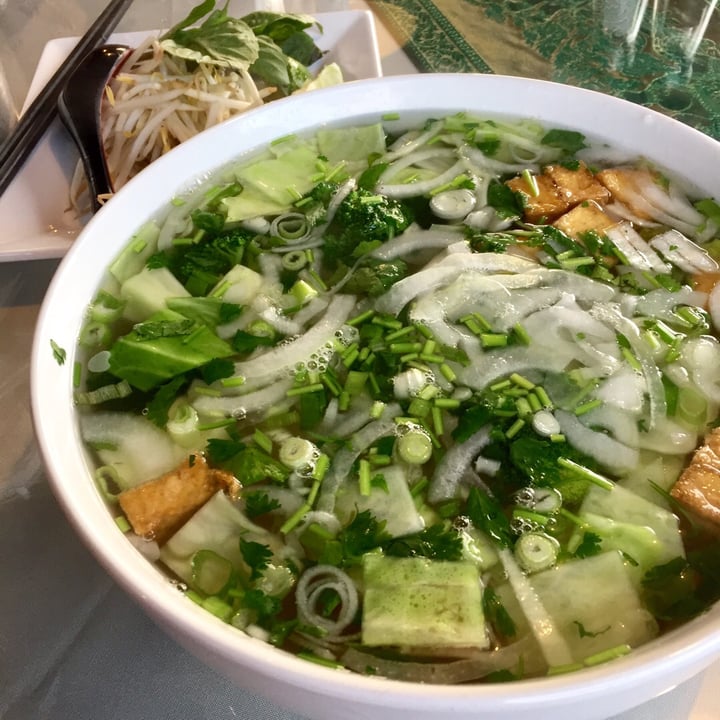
{"points": [[35, 219]]}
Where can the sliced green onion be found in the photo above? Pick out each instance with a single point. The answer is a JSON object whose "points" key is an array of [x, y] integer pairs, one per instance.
{"points": [[304, 390], [515, 428], [297, 452], [606, 655], [115, 391], [536, 551], [294, 520], [491, 340], [364, 477], [294, 260], [123, 524], [415, 447], [587, 407]]}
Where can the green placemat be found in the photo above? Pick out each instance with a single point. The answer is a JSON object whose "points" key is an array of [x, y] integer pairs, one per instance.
{"points": [[662, 55]]}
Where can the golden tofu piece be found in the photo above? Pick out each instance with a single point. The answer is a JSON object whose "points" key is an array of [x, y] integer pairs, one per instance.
{"points": [[584, 217], [158, 508], [624, 184], [578, 185], [547, 205], [698, 488]]}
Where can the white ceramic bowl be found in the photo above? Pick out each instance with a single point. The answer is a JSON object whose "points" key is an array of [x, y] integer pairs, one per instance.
{"points": [[304, 687]]}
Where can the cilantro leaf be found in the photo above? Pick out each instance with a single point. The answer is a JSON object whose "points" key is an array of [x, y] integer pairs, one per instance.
{"points": [[217, 369], [220, 450], [471, 421], [60, 354], [586, 633], [508, 204], [497, 615], [364, 533], [256, 555], [591, 544], [487, 515], [266, 606], [435, 542], [567, 140], [259, 503], [159, 405], [244, 342]]}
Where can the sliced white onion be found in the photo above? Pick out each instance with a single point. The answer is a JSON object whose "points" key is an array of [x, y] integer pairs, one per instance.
{"points": [[636, 251], [453, 465], [416, 239], [452, 204], [421, 187], [312, 584], [242, 406], [605, 450], [683, 253]]}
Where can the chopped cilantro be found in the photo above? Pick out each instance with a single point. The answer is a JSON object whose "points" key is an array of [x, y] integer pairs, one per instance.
{"points": [[59, 353], [569, 141], [591, 544], [435, 542], [259, 503], [487, 515], [159, 405], [507, 203], [256, 555], [497, 615], [586, 633], [244, 342], [217, 369]]}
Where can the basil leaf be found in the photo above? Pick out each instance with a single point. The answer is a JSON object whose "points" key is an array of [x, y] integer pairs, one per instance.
{"points": [[278, 26], [195, 15], [220, 40]]}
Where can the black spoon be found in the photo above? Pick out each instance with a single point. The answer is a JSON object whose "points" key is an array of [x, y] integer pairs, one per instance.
{"points": [[79, 109]]}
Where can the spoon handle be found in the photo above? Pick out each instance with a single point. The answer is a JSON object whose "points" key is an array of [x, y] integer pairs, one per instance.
{"points": [[79, 109], [37, 118]]}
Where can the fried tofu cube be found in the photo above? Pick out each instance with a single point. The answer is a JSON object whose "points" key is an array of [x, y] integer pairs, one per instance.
{"points": [[583, 218], [698, 488], [544, 207], [624, 185], [578, 185], [158, 508]]}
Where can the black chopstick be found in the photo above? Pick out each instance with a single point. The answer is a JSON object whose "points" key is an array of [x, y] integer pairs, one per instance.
{"points": [[36, 120]]}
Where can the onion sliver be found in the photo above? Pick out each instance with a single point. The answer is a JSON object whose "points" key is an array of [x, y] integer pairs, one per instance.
{"points": [[456, 461], [311, 586], [607, 451], [267, 366]]}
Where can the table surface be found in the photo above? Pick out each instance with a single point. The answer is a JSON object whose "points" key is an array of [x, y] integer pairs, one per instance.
{"points": [[72, 644]]}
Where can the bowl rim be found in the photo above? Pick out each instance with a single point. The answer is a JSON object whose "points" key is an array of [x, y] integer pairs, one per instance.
{"points": [[660, 663]]}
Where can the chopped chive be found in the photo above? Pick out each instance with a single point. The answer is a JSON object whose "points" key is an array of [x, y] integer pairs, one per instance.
{"points": [[447, 403], [419, 486], [359, 319], [651, 338], [500, 385], [514, 429], [575, 263], [531, 515], [344, 401], [667, 335], [522, 381], [565, 255], [122, 523], [388, 322], [543, 397], [586, 473], [225, 422], [432, 358], [523, 407], [472, 325], [380, 459], [262, 441], [294, 520], [377, 409], [77, 374], [304, 390], [312, 657], [336, 170], [447, 372], [429, 392], [605, 655], [405, 347], [490, 340], [312, 495], [516, 392], [534, 401], [319, 282], [350, 356], [208, 391], [557, 438], [563, 669], [409, 357], [424, 330], [674, 352], [364, 478], [531, 182], [391, 116], [521, 333], [374, 385], [437, 421], [321, 466], [429, 347], [396, 334], [587, 407], [235, 381]]}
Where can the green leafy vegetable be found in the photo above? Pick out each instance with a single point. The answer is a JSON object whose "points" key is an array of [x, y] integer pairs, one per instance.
{"points": [[159, 405], [567, 140], [256, 555], [146, 362], [435, 542], [60, 354], [245, 342], [487, 515], [508, 204], [259, 503], [591, 544]]}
